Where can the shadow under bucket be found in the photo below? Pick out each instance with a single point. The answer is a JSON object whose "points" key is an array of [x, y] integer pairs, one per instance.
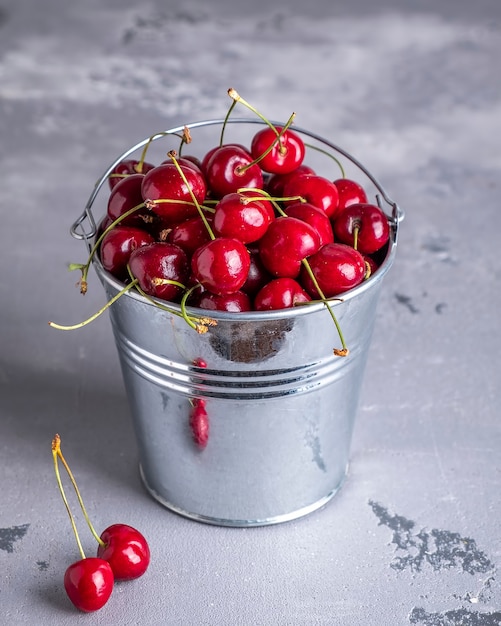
{"points": [[281, 406]]}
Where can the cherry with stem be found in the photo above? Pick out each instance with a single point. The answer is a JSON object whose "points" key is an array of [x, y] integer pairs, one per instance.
{"points": [[89, 581], [123, 548]]}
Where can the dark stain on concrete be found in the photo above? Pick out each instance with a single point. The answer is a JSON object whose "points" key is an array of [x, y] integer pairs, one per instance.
{"points": [[456, 617], [407, 302], [8, 536], [439, 549]]}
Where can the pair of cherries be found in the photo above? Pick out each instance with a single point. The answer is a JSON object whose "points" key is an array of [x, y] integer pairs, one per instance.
{"points": [[122, 554]]}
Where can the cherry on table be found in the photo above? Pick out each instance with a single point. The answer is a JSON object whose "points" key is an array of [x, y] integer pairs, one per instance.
{"points": [[126, 550], [89, 583]]}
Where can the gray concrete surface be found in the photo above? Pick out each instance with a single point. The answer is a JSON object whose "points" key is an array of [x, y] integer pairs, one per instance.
{"points": [[411, 88]]}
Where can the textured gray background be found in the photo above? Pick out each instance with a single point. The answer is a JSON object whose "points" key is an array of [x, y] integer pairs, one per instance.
{"points": [[411, 88]]}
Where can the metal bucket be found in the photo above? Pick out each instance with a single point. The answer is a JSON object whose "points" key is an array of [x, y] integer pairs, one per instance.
{"points": [[281, 406]]}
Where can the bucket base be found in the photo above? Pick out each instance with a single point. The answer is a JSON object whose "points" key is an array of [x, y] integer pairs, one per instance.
{"points": [[242, 523]]}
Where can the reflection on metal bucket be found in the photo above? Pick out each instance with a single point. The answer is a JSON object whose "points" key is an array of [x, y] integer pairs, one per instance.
{"points": [[280, 405]]}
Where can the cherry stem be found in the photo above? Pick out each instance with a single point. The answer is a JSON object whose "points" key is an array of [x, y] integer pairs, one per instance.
{"points": [[356, 230], [172, 156], [344, 351], [368, 271], [194, 322], [85, 267], [57, 451], [244, 168], [142, 158], [185, 139], [330, 155], [100, 312], [202, 324], [264, 195], [233, 93], [225, 122], [56, 442]]}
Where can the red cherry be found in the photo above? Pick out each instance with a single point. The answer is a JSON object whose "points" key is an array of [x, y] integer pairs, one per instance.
{"points": [[236, 302], [156, 264], [365, 224], [126, 168], [126, 551], [117, 246], [285, 244], [336, 267], [350, 192], [276, 183], [245, 220], [280, 293], [316, 190], [372, 264], [126, 195], [229, 168], [208, 155], [164, 182], [189, 235], [257, 276], [221, 265], [89, 583], [315, 217], [285, 156]]}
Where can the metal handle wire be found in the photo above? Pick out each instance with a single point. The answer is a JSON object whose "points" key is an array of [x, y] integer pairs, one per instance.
{"points": [[85, 227]]}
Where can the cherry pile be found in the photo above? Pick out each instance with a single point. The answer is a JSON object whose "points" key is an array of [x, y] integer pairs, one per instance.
{"points": [[240, 229], [122, 554]]}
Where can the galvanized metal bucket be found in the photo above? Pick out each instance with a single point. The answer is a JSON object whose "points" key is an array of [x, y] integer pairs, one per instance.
{"points": [[281, 406]]}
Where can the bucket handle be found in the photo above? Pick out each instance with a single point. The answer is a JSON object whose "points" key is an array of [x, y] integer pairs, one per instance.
{"points": [[85, 227]]}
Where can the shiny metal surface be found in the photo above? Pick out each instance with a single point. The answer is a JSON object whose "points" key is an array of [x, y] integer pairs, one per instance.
{"points": [[281, 406]]}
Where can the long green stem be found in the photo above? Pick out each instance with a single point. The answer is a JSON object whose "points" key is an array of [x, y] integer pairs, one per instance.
{"points": [[85, 267], [233, 93], [77, 491], [100, 312], [330, 155], [172, 156], [344, 351], [225, 122], [55, 447], [244, 168]]}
